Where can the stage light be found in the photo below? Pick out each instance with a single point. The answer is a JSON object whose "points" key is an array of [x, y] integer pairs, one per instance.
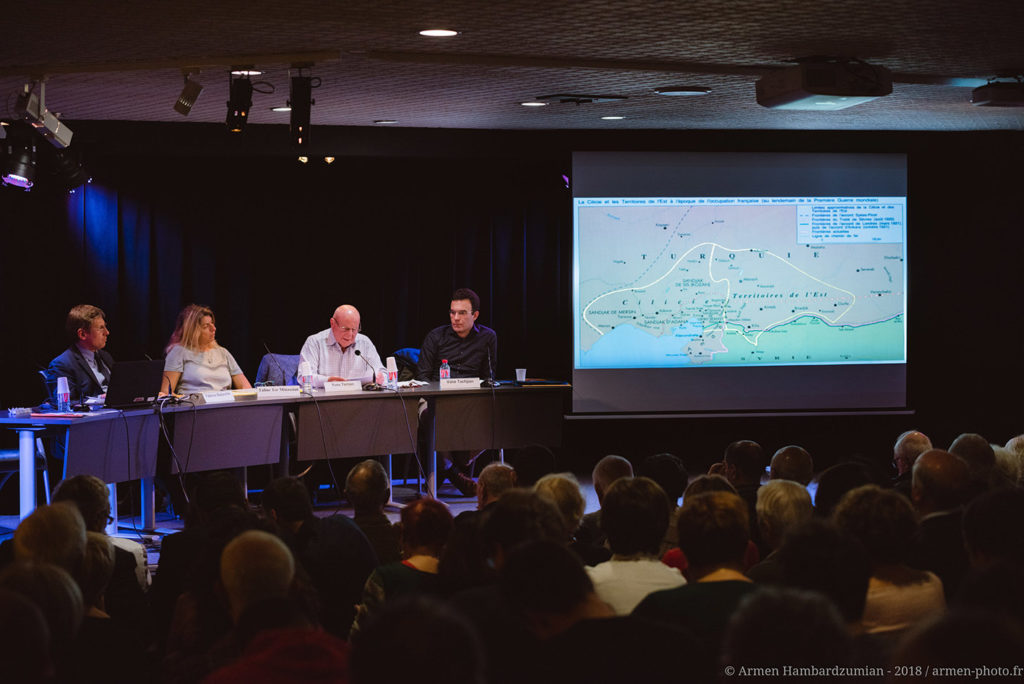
{"points": [[303, 159], [301, 102], [19, 163], [239, 104], [32, 108], [188, 97], [328, 160], [68, 169]]}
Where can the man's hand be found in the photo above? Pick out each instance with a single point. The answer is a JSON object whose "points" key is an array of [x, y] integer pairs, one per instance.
{"points": [[335, 378]]}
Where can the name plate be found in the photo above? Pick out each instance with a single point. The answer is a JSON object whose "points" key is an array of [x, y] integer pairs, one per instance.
{"points": [[342, 386], [460, 383], [221, 397], [278, 392]]}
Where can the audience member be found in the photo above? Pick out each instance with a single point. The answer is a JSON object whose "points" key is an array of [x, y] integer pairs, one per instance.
{"points": [[563, 491], [255, 566], [53, 533], [333, 551], [777, 627], [979, 641], [124, 596], [283, 656], [494, 480], [992, 529], [980, 458], [24, 640], [670, 474], [905, 451], [675, 558], [899, 596], [608, 470], [713, 533], [426, 526], [1015, 445], [52, 589], [792, 463], [939, 488], [743, 465], [1006, 472], [781, 506], [634, 517], [834, 482], [368, 490], [433, 637]]}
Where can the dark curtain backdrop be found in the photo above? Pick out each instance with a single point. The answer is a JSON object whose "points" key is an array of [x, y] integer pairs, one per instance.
{"points": [[274, 246]]}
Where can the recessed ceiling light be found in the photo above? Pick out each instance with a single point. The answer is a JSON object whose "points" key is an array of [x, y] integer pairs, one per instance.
{"points": [[281, 108], [385, 121], [329, 160], [683, 91], [246, 71], [534, 103], [438, 33], [303, 159], [612, 118]]}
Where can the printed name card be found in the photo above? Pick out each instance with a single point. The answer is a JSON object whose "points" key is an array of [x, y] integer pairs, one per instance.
{"points": [[278, 392], [342, 386], [460, 383], [221, 397]]}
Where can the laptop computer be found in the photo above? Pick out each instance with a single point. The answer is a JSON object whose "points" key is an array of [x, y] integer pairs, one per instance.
{"points": [[134, 384]]}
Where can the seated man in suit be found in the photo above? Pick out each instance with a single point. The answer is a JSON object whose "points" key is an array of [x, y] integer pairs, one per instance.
{"points": [[85, 364]]}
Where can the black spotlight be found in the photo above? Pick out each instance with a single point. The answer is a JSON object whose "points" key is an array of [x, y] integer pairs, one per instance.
{"points": [[239, 104], [19, 162], [300, 100], [68, 169]]}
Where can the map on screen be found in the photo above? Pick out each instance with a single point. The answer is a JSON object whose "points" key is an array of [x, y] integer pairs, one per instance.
{"points": [[734, 281]]}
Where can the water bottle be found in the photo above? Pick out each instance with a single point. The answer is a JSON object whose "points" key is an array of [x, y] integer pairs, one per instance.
{"points": [[306, 377], [63, 395], [446, 370]]}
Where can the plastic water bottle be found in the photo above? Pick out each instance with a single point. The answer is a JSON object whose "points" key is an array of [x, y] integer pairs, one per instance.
{"points": [[446, 370], [306, 377]]}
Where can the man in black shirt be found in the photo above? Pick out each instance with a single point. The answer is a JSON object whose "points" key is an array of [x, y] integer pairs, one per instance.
{"points": [[471, 351]]}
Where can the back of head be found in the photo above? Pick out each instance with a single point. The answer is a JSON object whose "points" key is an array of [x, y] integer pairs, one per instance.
{"points": [[441, 642], [792, 463], [608, 470], [496, 479], [713, 530], [521, 516], [52, 534], [89, 493], [288, 498], [366, 487], [708, 483], [426, 525], [214, 491], [775, 627], [966, 639], [834, 482], [634, 516], [818, 556], [939, 480], [97, 568], [978, 454], [563, 491], [881, 519], [531, 463], [255, 566], [55, 593], [908, 447], [992, 529], [744, 460], [24, 640], [782, 505], [668, 471], [544, 577]]}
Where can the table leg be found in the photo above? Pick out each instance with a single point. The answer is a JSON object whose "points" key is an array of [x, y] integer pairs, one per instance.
{"points": [[111, 529], [27, 471], [148, 503]]}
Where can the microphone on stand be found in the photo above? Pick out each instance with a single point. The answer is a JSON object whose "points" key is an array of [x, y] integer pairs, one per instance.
{"points": [[371, 386], [489, 381]]}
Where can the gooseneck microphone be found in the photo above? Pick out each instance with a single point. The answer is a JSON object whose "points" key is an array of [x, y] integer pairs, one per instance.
{"points": [[371, 386], [489, 381]]}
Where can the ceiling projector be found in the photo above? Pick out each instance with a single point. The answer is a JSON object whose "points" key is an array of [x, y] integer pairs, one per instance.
{"points": [[823, 86], [999, 94], [32, 108]]}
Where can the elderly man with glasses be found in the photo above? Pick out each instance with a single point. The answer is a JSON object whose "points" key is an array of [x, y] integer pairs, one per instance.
{"points": [[341, 352]]}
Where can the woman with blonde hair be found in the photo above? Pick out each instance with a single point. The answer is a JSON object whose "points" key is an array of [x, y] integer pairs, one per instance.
{"points": [[194, 360]]}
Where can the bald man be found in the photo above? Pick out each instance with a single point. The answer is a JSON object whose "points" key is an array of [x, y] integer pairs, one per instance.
{"points": [[341, 352], [792, 463], [940, 488], [905, 451]]}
